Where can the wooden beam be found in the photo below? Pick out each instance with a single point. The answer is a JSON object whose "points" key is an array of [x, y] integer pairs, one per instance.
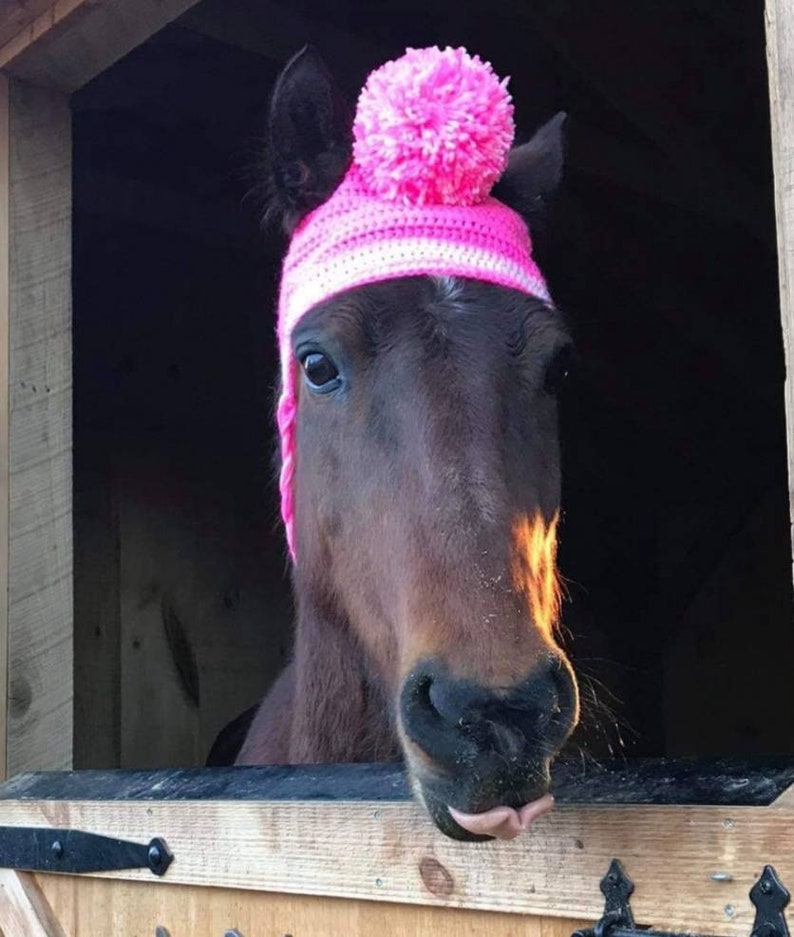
{"points": [[4, 413], [72, 41], [24, 911], [15, 15], [780, 53], [52, 19], [135, 908], [40, 431]]}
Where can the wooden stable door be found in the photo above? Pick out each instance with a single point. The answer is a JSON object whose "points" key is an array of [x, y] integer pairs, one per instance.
{"points": [[346, 850], [97, 907]]}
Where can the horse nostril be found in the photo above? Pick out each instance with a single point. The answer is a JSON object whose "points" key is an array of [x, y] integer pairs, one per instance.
{"points": [[435, 716], [445, 697], [455, 721]]}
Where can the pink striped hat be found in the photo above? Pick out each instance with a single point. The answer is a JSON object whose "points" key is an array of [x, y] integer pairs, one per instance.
{"points": [[432, 134]]}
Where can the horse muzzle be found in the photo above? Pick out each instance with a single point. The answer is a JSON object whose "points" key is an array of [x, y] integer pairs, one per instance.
{"points": [[480, 756]]}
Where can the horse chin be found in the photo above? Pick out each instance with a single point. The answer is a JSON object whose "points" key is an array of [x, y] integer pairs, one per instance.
{"points": [[475, 817]]}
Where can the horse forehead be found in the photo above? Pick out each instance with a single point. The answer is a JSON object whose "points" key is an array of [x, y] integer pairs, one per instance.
{"points": [[428, 318], [447, 315]]}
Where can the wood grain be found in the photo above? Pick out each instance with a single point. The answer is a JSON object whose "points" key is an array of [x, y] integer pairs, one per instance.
{"points": [[98, 906], [40, 543], [152, 692], [24, 911], [72, 41], [390, 852], [15, 15], [4, 414], [97, 664], [780, 55]]}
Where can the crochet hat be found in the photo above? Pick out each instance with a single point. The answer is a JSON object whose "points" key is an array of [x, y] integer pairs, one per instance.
{"points": [[432, 133]]}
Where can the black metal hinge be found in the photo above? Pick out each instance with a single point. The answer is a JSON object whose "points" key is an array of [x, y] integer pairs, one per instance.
{"points": [[38, 849], [768, 895]]}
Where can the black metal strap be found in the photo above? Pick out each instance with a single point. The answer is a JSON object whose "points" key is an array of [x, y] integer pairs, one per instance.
{"points": [[38, 849], [770, 898], [768, 895]]}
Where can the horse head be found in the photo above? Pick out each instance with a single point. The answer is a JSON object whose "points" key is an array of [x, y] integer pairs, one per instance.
{"points": [[423, 487]]}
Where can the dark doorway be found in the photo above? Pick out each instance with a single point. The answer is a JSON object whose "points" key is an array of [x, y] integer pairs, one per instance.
{"points": [[661, 251]]}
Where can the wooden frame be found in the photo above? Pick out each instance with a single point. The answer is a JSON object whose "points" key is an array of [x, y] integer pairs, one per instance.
{"points": [[41, 66], [355, 850], [780, 55], [39, 718]]}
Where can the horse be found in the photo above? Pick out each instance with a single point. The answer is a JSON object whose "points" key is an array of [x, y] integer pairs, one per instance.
{"points": [[427, 500]]}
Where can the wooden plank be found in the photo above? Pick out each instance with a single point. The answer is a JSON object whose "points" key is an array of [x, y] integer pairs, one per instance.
{"points": [[4, 414], [134, 908], [192, 607], [74, 40], [780, 56], [40, 544], [97, 664], [390, 852], [160, 682], [17, 15], [53, 17], [24, 910], [657, 782]]}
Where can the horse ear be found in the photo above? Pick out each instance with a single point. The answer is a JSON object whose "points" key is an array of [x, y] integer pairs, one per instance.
{"points": [[311, 137], [534, 171]]}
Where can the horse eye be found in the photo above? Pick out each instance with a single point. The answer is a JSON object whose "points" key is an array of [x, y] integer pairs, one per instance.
{"points": [[557, 369], [321, 373]]}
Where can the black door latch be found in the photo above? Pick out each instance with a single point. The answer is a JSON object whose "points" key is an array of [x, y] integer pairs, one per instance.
{"points": [[38, 849], [768, 895]]}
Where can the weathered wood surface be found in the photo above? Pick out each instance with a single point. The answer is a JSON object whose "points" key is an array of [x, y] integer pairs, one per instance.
{"points": [[656, 782], [16, 15], [4, 413], [780, 54], [97, 664], [24, 910], [390, 852], [40, 432], [71, 41], [193, 610], [95, 906]]}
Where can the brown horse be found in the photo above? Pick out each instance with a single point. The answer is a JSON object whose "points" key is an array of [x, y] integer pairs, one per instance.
{"points": [[427, 496]]}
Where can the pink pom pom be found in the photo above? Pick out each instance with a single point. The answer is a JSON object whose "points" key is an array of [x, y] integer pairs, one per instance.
{"points": [[433, 128]]}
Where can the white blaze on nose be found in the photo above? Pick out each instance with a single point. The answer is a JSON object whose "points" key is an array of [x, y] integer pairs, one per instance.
{"points": [[503, 822]]}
